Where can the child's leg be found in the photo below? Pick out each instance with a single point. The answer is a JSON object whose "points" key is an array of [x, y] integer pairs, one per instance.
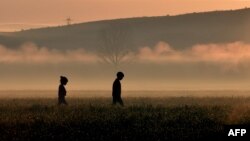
{"points": [[120, 101], [64, 101], [59, 100], [114, 100]]}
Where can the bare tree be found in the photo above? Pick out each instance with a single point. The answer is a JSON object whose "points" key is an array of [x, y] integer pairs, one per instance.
{"points": [[115, 44]]}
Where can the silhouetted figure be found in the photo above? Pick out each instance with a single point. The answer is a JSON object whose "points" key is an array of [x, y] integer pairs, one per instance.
{"points": [[62, 91], [116, 93]]}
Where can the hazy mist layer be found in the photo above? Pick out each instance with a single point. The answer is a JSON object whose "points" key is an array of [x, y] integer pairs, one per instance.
{"points": [[203, 66]]}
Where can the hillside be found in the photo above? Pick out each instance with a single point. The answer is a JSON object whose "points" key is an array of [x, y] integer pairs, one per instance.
{"points": [[179, 31]]}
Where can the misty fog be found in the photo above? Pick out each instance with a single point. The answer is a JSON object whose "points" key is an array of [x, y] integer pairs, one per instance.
{"points": [[159, 67]]}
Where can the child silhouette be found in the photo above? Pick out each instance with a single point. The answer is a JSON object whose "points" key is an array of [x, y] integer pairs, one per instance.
{"points": [[116, 93], [62, 91]]}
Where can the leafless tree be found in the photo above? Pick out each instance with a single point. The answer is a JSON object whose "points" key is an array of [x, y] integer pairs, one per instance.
{"points": [[115, 44]]}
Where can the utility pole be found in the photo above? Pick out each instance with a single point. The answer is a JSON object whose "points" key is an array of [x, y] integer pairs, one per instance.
{"points": [[68, 20]]}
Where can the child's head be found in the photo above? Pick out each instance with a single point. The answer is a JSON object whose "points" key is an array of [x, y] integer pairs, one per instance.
{"points": [[63, 80], [120, 75]]}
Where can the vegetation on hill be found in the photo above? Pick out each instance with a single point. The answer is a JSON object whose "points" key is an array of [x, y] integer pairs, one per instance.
{"points": [[179, 31]]}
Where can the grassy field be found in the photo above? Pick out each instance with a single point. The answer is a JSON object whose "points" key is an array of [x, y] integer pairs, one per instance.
{"points": [[152, 119]]}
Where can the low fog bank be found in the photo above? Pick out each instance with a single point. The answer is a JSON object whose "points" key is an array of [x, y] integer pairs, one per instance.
{"points": [[222, 66], [227, 55], [137, 77]]}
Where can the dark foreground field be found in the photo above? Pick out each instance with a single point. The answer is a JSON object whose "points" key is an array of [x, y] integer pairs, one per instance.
{"points": [[148, 119]]}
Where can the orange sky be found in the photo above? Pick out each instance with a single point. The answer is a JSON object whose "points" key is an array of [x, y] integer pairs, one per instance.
{"points": [[55, 11]]}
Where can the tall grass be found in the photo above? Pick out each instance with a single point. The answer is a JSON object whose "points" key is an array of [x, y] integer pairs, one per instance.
{"points": [[176, 118]]}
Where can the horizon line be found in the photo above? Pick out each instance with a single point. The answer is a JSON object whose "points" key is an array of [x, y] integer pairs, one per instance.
{"points": [[44, 25]]}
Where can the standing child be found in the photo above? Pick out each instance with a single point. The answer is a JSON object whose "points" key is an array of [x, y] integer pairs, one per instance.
{"points": [[62, 91], [116, 93]]}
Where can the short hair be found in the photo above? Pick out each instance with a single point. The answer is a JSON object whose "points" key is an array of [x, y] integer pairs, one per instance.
{"points": [[120, 74]]}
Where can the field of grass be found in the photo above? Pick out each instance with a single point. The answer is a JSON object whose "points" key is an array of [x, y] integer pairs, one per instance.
{"points": [[152, 119]]}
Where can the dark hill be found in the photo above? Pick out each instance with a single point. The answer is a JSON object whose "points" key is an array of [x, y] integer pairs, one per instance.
{"points": [[179, 31]]}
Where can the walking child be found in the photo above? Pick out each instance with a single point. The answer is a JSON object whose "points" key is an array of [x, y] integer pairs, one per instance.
{"points": [[62, 91], [116, 93]]}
